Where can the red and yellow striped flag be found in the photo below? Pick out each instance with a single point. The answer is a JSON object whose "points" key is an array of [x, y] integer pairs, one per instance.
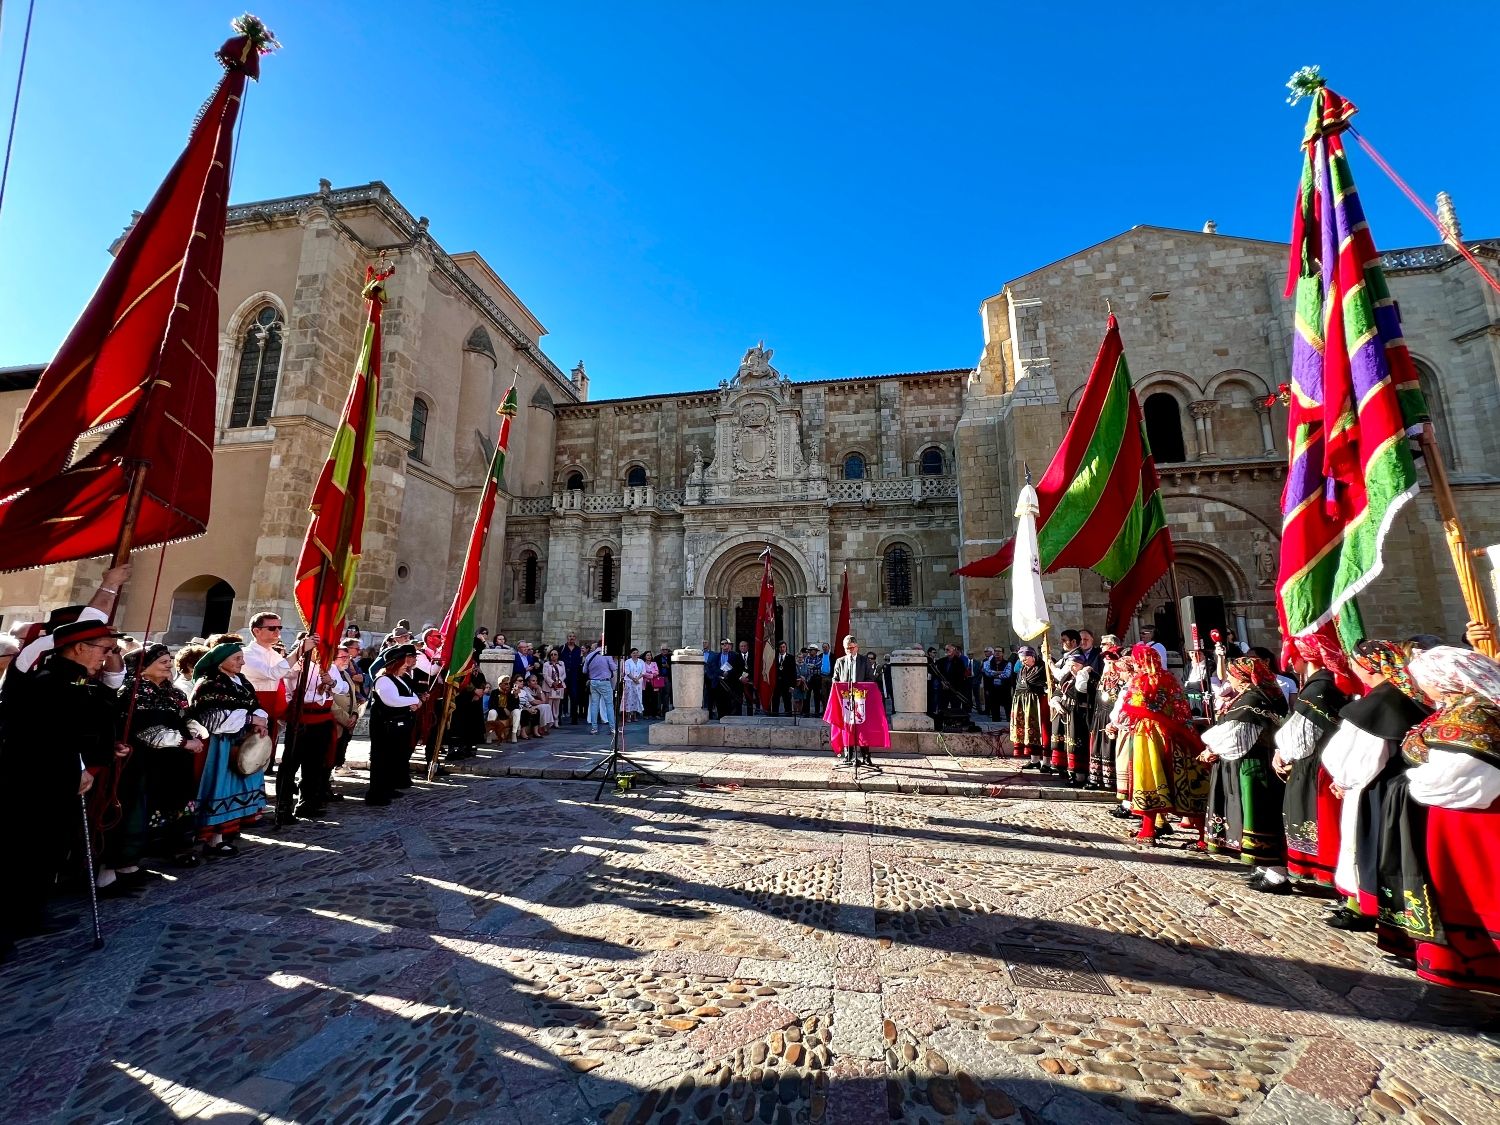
{"points": [[330, 553]]}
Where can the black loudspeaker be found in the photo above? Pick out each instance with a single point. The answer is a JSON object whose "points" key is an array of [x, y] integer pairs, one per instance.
{"points": [[617, 632], [1207, 613]]}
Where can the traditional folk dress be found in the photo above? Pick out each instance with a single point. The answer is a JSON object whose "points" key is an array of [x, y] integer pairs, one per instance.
{"points": [[633, 702], [223, 704], [1311, 811], [1076, 693], [392, 721], [1166, 776], [1361, 759], [159, 787], [1245, 794], [1029, 735], [1101, 743]]}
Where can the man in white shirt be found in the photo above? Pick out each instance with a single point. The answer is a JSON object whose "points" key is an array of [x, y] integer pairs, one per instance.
{"points": [[309, 750], [272, 675], [1148, 637]]}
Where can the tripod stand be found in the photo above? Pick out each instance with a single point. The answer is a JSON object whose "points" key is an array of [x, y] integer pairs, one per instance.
{"points": [[609, 767]]}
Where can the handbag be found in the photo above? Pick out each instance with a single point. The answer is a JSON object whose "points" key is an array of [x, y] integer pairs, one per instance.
{"points": [[253, 754]]}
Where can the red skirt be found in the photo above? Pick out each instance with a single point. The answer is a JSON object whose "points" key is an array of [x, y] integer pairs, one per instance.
{"points": [[1461, 848], [1315, 855]]}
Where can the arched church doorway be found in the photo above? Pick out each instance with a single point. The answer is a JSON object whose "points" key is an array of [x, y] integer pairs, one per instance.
{"points": [[732, 596], [201, 607], [1201, 573]]}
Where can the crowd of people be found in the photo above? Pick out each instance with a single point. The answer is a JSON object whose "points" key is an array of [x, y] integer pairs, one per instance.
{"points": [[1375, 773]]}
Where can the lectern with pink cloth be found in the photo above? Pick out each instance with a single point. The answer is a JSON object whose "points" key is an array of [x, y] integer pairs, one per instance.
{"points": [[856, 719]]}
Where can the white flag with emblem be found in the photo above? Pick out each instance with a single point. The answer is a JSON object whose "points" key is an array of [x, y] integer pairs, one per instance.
{"points": [[1028, 604]]}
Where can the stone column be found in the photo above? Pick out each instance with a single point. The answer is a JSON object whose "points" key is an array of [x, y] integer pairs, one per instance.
{"points": [[1267, 434], [909, 686], [496, 662], [687, 688], [1201, 411]]}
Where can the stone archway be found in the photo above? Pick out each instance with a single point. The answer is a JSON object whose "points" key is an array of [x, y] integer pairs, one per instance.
{"points": [[201, 607], [732, 578]]}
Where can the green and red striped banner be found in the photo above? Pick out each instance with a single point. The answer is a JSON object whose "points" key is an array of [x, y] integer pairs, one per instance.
{"points": [[462, 620], [1100, 499]]}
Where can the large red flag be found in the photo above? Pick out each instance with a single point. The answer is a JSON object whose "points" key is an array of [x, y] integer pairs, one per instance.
{"points": [[765, 637], [140, 364], [330, 553], [459, 625], [843, 629]]}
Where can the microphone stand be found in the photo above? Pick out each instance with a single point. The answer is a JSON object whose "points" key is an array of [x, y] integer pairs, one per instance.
{"points": [[609, 767]]}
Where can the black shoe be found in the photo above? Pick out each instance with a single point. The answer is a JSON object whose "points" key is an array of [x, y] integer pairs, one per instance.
{"points": [[1045, 768], [1354, 923], [397, 795], [378, 802], [1121, 814], [136, 878], [335, 796], [117, 889], [441, 772], [220, 851], [1090, 787], [1266, 887], [1030, 765], [1490, 1033], [285, 820], [1400, 962]]}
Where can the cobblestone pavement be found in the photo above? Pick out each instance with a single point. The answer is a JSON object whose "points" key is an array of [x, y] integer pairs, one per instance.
{"points": [[504, 951], [570, 751]]}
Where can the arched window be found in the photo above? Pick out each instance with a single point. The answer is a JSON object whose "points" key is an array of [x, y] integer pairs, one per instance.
{"points": [[1164, 428], [897, 576], [528, 578], [260, 364], [636, 477], [606, 575], [1437, 409], [418, 429], [854, 466], [931, 464], [575, 482]]}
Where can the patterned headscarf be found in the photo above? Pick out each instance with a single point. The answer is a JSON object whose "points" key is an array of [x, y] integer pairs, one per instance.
{"points": [[1316, 648], [1146, 659], [1389, 661], [1448, 671], [1026, 650], [1255, 672], [1261, 697]]}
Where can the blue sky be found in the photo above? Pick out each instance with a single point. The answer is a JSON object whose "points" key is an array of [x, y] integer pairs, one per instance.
{"points": [[664, 183]]}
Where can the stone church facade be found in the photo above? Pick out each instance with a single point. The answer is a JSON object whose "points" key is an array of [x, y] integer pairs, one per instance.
{"points": [[663, 504]]}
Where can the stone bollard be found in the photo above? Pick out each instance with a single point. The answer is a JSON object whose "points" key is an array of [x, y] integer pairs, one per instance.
{"points": [[687, 688], [909, 686], [497, 662]]}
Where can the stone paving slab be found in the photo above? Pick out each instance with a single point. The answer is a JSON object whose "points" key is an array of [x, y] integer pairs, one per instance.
{"points": [[570, 752], [504, 950]]}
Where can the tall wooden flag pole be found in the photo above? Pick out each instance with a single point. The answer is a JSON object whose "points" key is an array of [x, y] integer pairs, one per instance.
{"points": [[462, 621], [138, 366]]}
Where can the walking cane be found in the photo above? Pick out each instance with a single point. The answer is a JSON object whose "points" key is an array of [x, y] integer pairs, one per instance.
{"points": [[88, 857]]}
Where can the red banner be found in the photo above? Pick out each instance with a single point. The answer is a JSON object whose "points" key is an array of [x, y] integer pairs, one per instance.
{"points": [[765, 638]]}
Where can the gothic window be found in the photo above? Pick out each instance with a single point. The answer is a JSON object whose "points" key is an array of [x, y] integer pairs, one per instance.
{"points": [[897, 576], [260, 364], [1164, 428], [528, 578], [931, 464], [418, 434], [1438, 411], [854, 466], [636, 477], [606, 571], [575, 482]]}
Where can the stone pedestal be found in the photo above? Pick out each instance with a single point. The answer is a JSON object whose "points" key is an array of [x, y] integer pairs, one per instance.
{"points": [[497, 662], [909, 687], [687, 688]]}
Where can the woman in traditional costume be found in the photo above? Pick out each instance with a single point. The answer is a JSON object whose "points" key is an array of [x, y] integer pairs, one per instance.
{"points": [[394, 704], [168, 748], [1246, 795], [1166, 776], [1028, 712], [1455, 777], [1311, 811], [1112, 682], [226, 707], [1076, 698], [1361, 756]]}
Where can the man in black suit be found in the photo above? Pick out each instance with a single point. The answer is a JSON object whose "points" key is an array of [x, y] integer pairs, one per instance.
{"points": [[731, 671], [852, 668], [786, 676]]}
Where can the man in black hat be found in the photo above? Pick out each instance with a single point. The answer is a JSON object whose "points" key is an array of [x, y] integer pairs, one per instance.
{"points": [[101, 605], [57, 732]]}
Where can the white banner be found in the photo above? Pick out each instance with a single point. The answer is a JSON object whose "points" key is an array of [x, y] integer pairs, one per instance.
{"points": [[1028, 605]]}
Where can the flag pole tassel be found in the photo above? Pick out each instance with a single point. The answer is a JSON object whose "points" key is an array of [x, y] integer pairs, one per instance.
{"points": [[1458, 545]]}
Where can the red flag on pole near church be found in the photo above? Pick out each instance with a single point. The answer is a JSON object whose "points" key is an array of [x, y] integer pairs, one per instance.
{"points": [[843, 629], [330, 553], [138, 367], [460, 624], [765, 637]]}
